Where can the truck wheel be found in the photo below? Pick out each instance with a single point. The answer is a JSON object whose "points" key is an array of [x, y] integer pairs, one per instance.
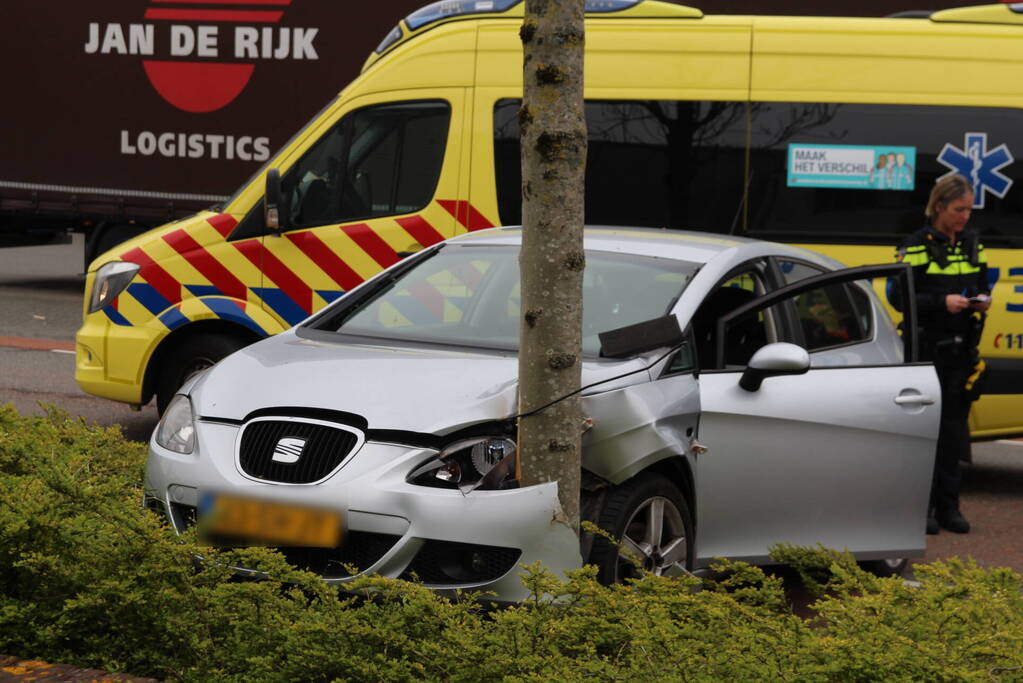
{"points": [[194, 354]]}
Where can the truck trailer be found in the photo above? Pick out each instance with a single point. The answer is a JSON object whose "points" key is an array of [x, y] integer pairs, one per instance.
{"points": [[122, 115]]}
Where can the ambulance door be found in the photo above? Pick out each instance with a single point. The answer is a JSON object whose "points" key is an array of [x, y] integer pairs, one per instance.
{"points": [[379, 182]]}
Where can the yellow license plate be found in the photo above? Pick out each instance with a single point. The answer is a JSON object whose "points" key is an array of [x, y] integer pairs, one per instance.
{"points": [[262, 522]]}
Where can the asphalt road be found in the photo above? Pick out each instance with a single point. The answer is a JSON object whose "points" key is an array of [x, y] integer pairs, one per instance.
{"points": [[40, 310], [41, 307]]}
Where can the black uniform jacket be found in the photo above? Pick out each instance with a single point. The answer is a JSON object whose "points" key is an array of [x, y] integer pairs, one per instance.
{"points": [[941, 268]]}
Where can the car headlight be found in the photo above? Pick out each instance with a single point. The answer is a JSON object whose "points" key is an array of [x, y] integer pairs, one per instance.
{"points": [[111, 280], [486, 463], [176, 431]]}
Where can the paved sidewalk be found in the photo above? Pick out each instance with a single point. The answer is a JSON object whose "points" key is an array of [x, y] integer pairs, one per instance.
{"points": [[13, 669], [992, 499]]}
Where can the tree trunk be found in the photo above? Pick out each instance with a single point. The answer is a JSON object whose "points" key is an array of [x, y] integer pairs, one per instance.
{"points": [[553, 129]]}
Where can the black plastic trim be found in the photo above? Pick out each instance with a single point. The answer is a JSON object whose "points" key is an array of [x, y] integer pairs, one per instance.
{"points": [[1005, 376]]}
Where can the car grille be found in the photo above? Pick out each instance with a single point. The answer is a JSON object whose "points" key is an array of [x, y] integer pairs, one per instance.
{"points": [[446, 562], [323, 447]]}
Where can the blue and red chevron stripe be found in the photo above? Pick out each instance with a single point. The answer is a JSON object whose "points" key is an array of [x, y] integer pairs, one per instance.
{"points": [[287, 294]]}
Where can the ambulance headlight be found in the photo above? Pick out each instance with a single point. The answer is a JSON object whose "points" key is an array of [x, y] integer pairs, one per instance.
{"points": [[111, 279]]}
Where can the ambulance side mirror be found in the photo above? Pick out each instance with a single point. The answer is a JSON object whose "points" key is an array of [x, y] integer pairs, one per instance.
{"points": [[272, 201]]}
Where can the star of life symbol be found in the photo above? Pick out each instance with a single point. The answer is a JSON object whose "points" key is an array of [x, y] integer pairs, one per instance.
{"points": [[979, 165]]}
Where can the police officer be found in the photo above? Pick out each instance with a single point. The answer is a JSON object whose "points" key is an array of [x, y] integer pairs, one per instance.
{"points": [[952, 295]]}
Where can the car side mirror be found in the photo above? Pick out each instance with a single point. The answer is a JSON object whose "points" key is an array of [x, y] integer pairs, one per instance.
{"points": [[780, 358], [272, 201]]}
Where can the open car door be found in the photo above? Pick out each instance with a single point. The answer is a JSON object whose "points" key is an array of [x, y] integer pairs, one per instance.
{"points": [[840, 455]]}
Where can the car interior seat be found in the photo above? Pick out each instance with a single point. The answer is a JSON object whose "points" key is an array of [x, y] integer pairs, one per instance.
{"points": [[314, 207], [744, 336]]}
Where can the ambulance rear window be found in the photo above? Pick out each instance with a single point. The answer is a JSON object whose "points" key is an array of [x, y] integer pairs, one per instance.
{"points": [[650, 163], [815, 172], [861, 173]]}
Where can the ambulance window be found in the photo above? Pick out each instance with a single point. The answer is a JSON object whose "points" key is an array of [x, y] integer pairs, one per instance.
{"points": [[377, 161], [675, 164], [861, 173]]}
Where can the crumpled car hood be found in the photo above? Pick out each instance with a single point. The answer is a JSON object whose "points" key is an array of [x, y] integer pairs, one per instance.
{"points": [[415, 389]]}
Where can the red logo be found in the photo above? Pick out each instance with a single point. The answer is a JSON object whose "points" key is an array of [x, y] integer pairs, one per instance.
{"points": [[205, 86]]}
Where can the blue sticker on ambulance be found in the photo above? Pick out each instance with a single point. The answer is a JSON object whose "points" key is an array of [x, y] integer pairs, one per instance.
{"points": [[855, 167]]}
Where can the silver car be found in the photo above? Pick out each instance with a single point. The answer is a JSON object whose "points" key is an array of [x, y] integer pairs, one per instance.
{"points": [[741, 393]]}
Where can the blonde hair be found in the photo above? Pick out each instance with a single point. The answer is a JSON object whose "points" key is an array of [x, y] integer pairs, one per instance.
{"points": [[947, 189]]}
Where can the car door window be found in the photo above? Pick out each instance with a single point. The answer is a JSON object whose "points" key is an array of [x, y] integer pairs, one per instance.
{"points": [[377, 161], [831, 315], [684, 360], [794, 271], [833, 310]]}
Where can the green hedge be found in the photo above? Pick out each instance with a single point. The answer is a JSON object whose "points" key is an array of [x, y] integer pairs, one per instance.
{"points": [[88, 578]]}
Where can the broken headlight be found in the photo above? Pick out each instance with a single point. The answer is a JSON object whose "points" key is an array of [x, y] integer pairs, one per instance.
{"points": [[486, 463]]}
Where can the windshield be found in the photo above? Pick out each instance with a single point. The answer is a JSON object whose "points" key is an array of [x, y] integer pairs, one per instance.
{"points": [[467, 295]]}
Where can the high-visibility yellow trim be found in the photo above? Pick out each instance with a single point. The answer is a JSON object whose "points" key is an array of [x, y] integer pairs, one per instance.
{"points": [[961, 267], [978, 371], [918, 259]]}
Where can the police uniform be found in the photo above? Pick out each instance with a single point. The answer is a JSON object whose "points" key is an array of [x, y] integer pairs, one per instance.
{"points": [[949, 340]]}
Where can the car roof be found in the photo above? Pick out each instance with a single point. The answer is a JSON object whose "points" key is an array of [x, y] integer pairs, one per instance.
{"points": [[682, 245]]}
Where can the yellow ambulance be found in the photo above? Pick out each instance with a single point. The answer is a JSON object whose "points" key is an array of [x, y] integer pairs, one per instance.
{"points": [[828, 132]]}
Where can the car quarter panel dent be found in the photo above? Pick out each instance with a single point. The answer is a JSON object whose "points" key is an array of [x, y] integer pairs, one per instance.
{"points": [[638, 426]]}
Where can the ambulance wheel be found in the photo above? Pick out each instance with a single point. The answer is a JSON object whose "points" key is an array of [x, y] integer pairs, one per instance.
{"points": [[193, 355]]}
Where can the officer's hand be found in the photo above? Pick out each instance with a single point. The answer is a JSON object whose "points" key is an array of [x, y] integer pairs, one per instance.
{"points": [[956, 303]]}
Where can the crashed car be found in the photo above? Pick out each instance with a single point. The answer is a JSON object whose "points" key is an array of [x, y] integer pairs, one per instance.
{"points": [[741, 394]]}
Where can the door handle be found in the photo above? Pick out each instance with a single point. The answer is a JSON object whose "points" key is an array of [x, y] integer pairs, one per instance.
{"points": [[914, 400]]}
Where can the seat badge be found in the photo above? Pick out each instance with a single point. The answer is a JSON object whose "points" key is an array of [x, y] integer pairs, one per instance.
{"points": [[288, 450]]}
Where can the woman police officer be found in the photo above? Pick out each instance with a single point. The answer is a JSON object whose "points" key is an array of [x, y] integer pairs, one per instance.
{"points": [[952, 293]]}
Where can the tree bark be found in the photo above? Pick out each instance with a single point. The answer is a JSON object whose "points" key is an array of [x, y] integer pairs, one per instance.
{"points": [[553, 130]]}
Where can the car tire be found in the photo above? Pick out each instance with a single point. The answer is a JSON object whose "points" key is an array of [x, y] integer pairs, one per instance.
{"points": [[194, 354], [631, 513], [892, 566]]}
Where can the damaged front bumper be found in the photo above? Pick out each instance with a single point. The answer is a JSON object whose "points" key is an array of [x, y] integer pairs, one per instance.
{"points": [[448, 540]]}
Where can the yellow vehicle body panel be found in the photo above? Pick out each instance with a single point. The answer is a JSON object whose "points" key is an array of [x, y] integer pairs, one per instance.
{"points": [[885, 60], [225, 271]]}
